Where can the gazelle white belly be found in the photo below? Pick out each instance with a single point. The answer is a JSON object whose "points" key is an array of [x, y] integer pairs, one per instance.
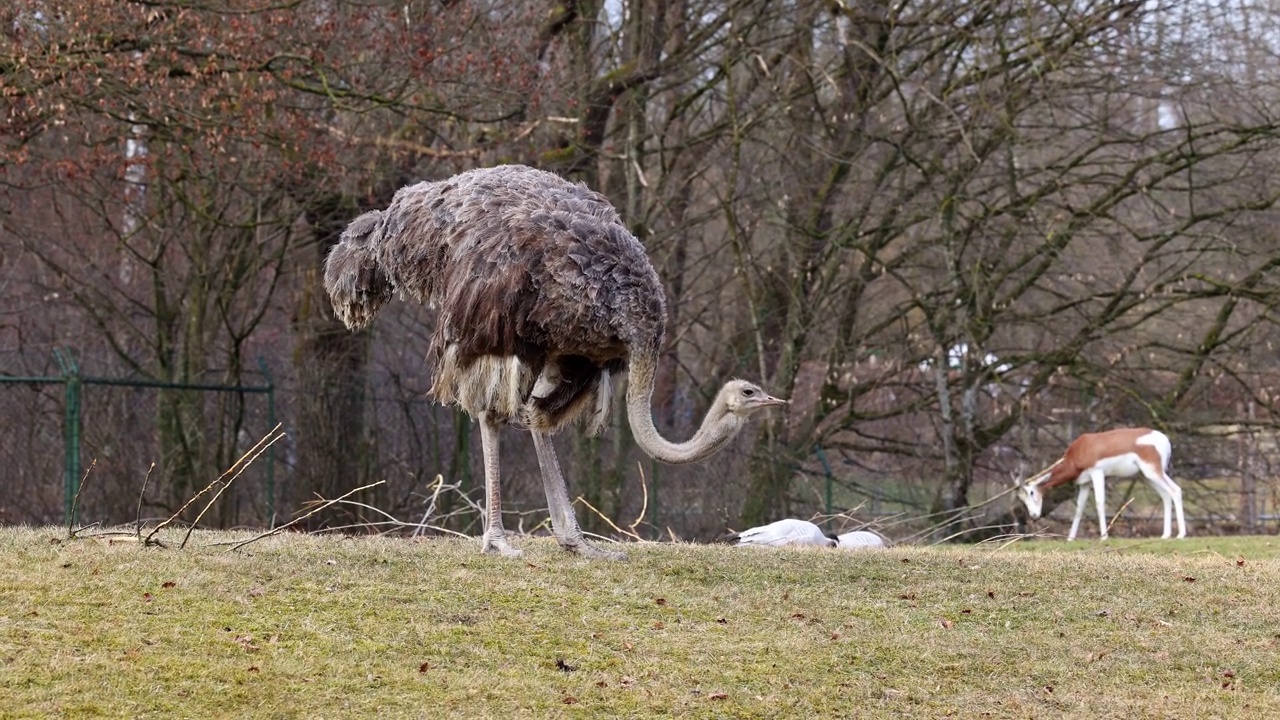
{"points": [[1120, 466]]}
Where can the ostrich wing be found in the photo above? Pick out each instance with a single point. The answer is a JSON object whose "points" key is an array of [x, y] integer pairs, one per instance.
{"points": [[783, 532]]}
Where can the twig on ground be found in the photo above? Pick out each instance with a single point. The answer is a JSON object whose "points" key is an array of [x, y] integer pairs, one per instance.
{"points": [[1117, 515], [187, 504], [267, 441], [75, 502], [315, 510], [431, 505], [605, 518], [644, 507], [137, 515]]}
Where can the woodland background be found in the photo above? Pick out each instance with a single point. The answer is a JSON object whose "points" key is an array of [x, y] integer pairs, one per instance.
{"points": [[956, 234]]}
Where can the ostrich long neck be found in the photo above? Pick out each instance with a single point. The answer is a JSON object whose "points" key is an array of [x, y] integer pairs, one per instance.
{"points": [[718, 427]]}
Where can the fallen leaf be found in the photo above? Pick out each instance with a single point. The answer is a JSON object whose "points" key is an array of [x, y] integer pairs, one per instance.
{"points": [[535, 567], [253, 668], [797, 616], [660, 601], [835, 636], [1103, 613], [722, 621], [168, 584], [906, 560], [563, 666], [628, 646], [1048, 689], [424, 667], [966, 611], [1229, 674], [1027, 593], [658, 625], [146, 597], [991, 594], [907, 596], [627, 681], [1188, 578], [257, 592], [330, 562], [1240, 561], [570, 700], [602, 684], [718, 695], [947, 624]]}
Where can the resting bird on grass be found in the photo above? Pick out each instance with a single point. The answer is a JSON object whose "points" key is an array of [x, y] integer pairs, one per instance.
{"points": [[783, 532], [545, 300], [860, 539], [803, 532]]}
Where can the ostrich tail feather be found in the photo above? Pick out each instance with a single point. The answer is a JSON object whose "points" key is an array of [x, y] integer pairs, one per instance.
{"points": [[357, 285]]}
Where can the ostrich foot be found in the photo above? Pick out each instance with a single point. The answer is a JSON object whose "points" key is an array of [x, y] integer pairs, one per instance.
{"points": [[498, 544], [588, 550]]}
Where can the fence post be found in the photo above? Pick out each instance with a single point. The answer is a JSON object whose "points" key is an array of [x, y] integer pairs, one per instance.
{"points": [[70, 432], [271, 450]]}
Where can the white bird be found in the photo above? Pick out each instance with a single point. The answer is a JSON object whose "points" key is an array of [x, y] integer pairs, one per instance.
{"points": [[859, 540], [783, 532]]}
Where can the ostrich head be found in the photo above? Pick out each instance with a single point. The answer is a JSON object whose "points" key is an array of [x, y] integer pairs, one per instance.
{"points": [[742, 398], [1031, 497]]}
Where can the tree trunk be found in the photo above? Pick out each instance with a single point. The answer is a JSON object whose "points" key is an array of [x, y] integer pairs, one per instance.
{"points": [[331, 365]]}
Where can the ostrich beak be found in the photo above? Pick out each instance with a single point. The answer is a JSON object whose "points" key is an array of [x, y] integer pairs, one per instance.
{"points": [[769, 400]]}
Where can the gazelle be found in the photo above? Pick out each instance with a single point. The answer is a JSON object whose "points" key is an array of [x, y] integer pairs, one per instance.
{"points": [[1092, 458]]}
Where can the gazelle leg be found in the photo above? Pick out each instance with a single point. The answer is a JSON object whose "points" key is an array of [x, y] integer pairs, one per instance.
{"points": [[1175, 494], [1156, 479], [1081, 497], [495, 538], [563, 522], [1100, 497]]}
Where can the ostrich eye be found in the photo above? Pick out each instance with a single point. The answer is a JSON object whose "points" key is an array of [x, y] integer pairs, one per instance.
{"points": [[748, 392]]}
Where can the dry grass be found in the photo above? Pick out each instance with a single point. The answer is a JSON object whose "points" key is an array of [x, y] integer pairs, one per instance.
{"points": [[325, 627]]}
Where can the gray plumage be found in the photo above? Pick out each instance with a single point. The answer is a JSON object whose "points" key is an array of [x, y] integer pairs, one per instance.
{"points": [[544, 299]]}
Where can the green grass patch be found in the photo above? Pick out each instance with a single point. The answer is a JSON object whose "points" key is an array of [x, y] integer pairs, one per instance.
{"points": [[326, 627]]}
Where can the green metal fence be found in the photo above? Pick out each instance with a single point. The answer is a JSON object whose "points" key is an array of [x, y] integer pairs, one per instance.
{"points": [[74, 382]]}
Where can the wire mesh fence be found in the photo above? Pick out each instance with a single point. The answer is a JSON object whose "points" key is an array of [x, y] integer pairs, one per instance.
{"points": [[127, 449]]}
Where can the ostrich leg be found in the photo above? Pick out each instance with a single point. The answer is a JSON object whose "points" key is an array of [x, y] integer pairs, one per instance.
{"points": [[495, 538], [563, 522]]}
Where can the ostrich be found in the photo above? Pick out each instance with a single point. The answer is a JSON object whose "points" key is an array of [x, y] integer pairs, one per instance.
{"points": [[544, 300]]}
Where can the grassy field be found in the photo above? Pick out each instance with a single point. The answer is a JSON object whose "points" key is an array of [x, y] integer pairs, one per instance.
{"points": [[326, 627]]}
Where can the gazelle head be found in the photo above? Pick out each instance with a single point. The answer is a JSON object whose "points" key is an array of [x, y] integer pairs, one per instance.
{"points": [[1031, 497]]}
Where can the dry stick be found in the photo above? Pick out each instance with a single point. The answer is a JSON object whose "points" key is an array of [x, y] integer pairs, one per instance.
{"points": [[390, 520], [75, 501], [644, 494], [1117, 515], [214, 499], [206, 489], [439, 484], [322, 506], [137, 515], [603, 517]]}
